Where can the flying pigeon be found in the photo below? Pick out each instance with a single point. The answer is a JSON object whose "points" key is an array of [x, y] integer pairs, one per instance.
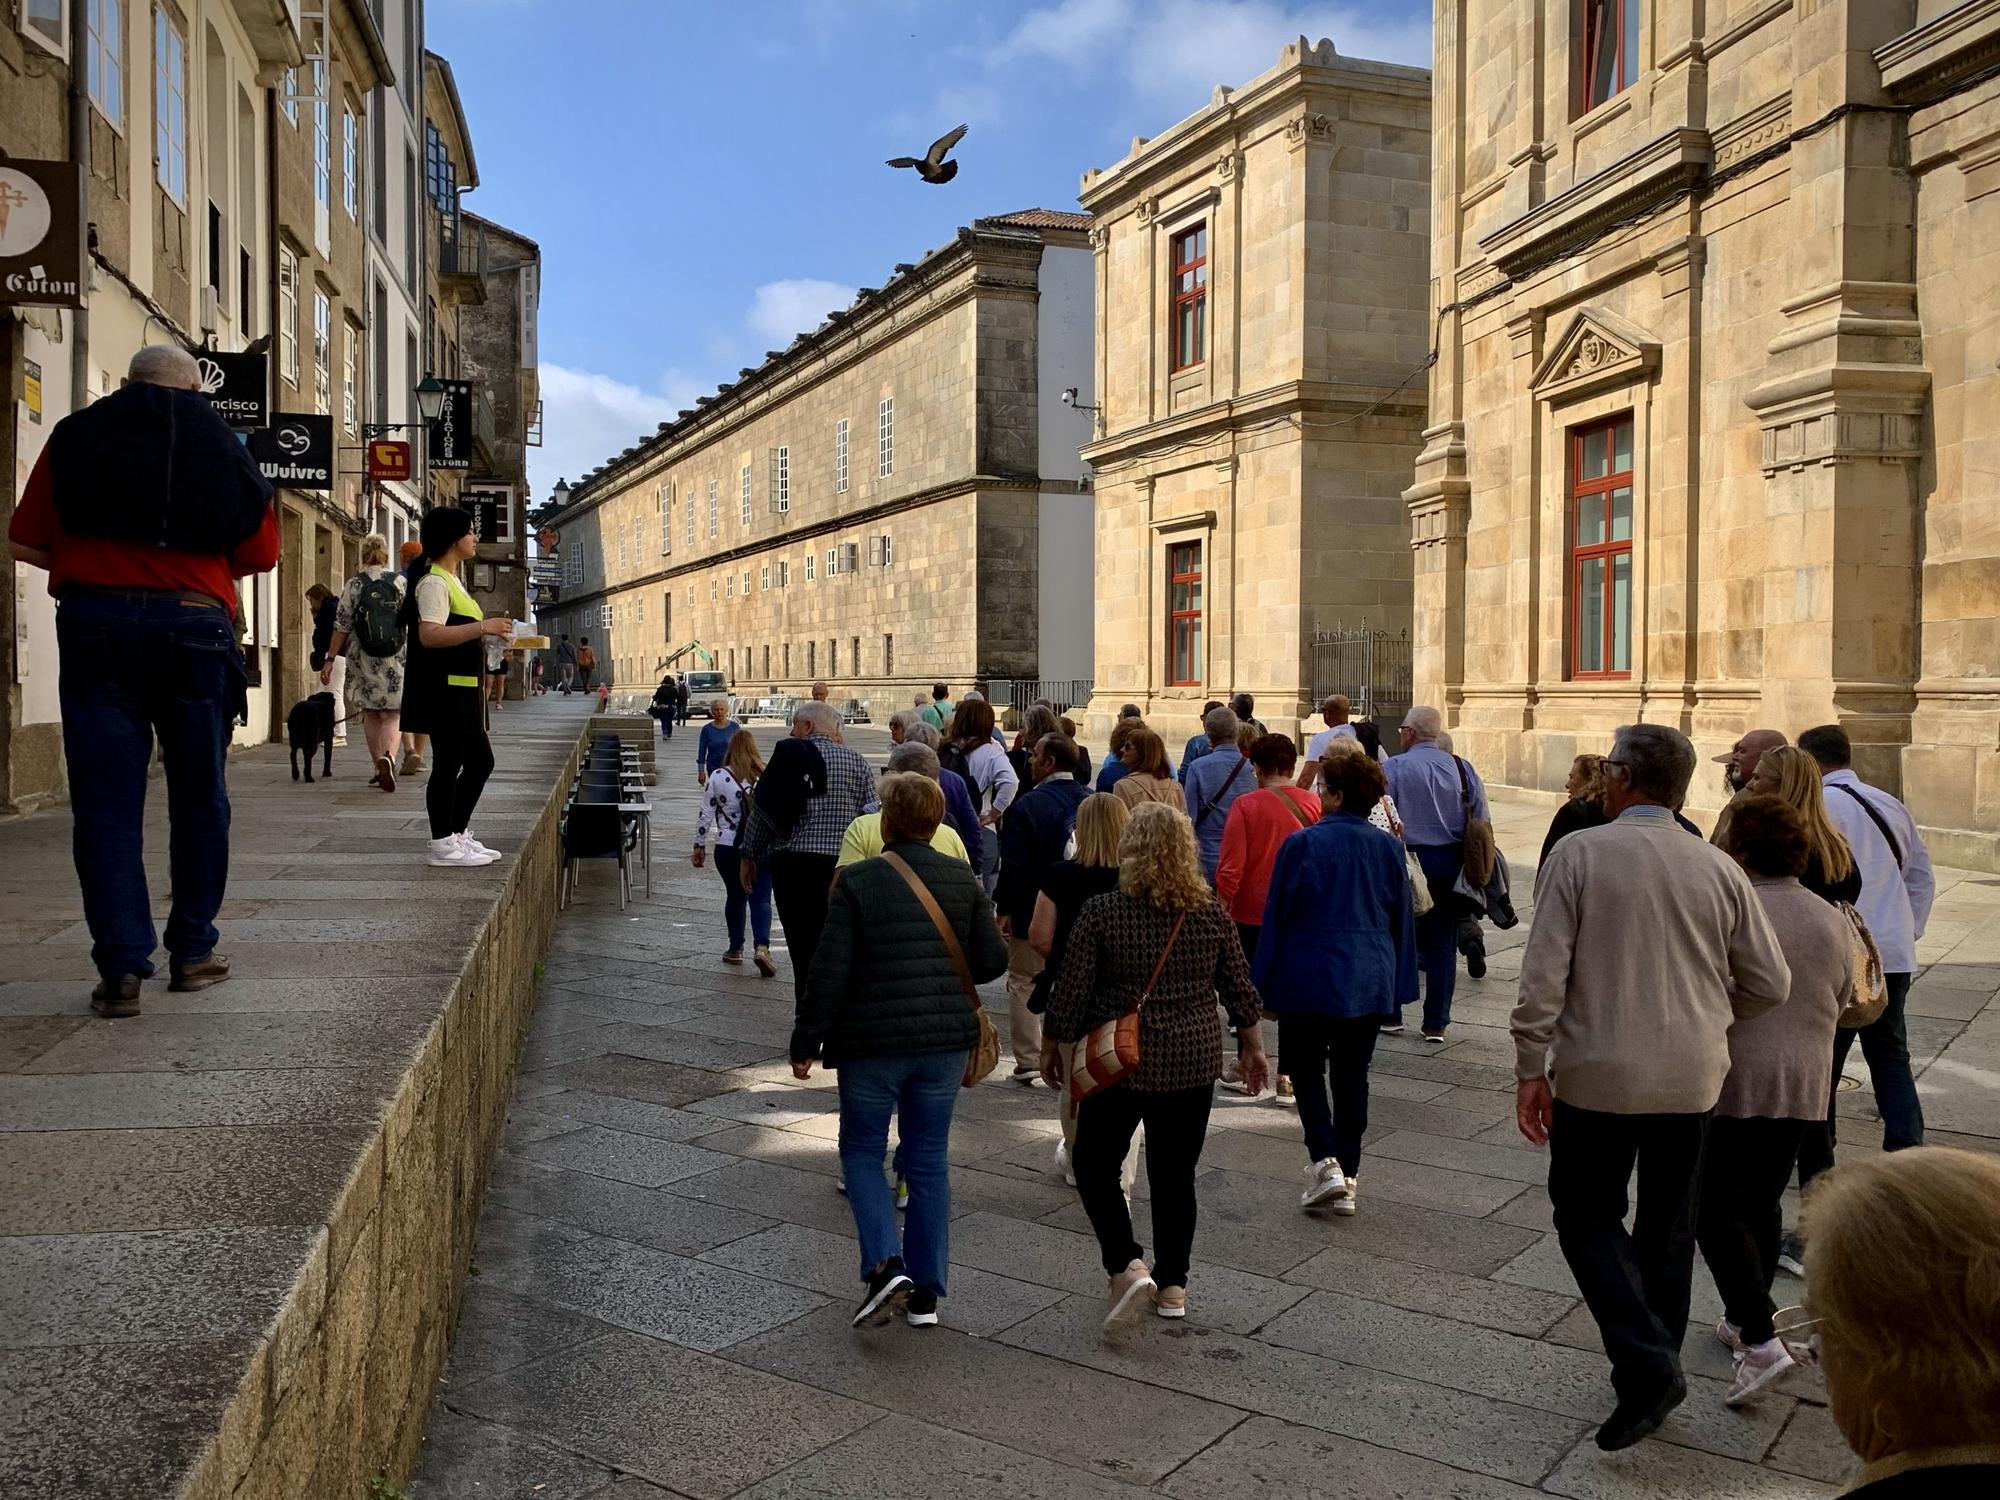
{"points": [[932, 166]]}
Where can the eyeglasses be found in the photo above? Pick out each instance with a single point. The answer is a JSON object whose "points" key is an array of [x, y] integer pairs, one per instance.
{"points": [[1612, 760]]}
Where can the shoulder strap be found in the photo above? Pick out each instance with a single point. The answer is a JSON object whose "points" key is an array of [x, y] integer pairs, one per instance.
{"points": [[1159, 967], [1305, 819], [1464, 787], [1874, 817], [1241, 761], [901, 866]]}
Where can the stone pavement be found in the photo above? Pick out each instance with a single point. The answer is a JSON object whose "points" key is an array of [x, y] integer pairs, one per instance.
{"points": [[665, 1272], [214, 1214]]}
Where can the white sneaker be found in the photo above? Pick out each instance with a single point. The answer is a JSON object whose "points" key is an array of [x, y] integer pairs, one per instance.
{"points": [[1062, 1163], [450, 852], [1729, 1335], [1756, 1367], [1232, 1077], [1324, 1181], [474, 844], [1344, 1206]]}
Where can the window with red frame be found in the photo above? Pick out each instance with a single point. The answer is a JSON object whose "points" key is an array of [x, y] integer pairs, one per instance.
{"points": [[1190, 323], [1607, 52], [1600, 549], [1184, 664]]}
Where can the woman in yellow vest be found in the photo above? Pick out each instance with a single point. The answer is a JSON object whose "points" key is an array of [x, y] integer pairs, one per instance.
{"points": [[442, 684]]}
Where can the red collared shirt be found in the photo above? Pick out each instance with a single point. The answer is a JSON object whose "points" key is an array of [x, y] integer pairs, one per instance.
{"points": [[100, 563]]}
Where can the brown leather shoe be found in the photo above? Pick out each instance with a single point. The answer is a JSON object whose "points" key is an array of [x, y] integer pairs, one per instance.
{"points": [[199, 976], [115, 998]]}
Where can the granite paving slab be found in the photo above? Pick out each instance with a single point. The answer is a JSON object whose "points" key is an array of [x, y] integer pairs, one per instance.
{"points": [[617, 1210], [1266, 1459], [465, 1458], [921, 1458]]}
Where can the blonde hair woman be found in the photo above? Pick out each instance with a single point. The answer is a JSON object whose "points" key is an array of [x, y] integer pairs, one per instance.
{"points": [[1148, 777], [725, 807], [1069, 885], [1162, 943], [374, 681], [1585, 808], [1793, 776], [1903, 1258]]}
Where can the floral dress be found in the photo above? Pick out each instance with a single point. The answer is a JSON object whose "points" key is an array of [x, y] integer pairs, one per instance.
{"points": [[374, 683]]}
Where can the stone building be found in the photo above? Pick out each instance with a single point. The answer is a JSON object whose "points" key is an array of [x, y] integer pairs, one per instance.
{"points": [[1713, 415], [1261, 314], [894, 499]]}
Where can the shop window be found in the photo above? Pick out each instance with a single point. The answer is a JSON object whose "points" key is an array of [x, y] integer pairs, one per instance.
{"points": [[1600, 578]]}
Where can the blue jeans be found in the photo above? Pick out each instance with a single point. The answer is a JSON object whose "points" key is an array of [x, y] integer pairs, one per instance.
{"points": [[921, 1090], [727, 864], [136, 664], [1437, 930]]}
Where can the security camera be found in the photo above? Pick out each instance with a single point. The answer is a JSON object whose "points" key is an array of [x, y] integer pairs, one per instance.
{"points": [[1069, 396]]}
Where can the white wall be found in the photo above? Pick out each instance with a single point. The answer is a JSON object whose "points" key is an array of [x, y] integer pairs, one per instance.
{"points": [[35, 611], [1065, 328]]}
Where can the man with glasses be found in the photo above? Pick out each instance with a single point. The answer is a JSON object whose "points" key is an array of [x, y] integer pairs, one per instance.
{"points": [[1647, 946]]}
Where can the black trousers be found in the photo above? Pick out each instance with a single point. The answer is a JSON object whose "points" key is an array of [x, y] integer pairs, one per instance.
{"points": [[799, 885], [1744, 1172], [1176, 1124], [461, 760], [1885, 1042], [1316, 1050], [1636, 1284]]}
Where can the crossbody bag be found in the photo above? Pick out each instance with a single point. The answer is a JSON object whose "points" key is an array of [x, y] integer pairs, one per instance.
{"points": [[1241, 762], [1109, 1053], [985, 1054]]}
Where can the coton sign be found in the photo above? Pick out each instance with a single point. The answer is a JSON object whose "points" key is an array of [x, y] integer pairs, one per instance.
{"points": [[41, 233]]}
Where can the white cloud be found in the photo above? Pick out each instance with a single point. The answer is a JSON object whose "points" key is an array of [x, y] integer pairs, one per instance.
{"points": [[588, 419], [1176, 51], [782, 310]]}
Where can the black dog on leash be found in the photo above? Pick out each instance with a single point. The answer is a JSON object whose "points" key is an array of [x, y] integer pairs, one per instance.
{"points": [[309, 728]]}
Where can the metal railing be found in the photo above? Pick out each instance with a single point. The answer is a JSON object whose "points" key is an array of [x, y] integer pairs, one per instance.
{"points": [[1062, 693], [1372, 667]]}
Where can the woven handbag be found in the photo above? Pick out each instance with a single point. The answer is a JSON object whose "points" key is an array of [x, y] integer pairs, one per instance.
{"points": [[985, 1054], [1109, 1053], [1871, 990]]}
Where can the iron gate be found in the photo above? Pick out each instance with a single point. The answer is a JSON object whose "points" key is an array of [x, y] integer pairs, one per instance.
{"points": [[1372, 667]]}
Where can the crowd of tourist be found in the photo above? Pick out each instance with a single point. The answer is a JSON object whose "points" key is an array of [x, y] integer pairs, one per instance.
{"points": [[1684, 1011]]}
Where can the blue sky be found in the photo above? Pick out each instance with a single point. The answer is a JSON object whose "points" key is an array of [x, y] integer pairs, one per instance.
{"points": [[706, 180]]}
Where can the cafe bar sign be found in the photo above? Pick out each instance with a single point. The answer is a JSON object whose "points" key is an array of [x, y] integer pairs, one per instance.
{"points": [[41, 233]]}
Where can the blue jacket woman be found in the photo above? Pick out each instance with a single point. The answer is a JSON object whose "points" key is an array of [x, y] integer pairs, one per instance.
{"points": [[1336, 959]]}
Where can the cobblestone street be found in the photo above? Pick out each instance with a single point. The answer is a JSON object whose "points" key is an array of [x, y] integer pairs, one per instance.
{"points": [[665, 1272]]}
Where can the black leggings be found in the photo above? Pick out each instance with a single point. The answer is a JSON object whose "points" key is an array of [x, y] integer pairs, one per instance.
{"points": [[461, 760]]}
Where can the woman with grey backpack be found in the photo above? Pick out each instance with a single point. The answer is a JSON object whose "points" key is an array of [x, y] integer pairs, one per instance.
{"points": [[366, 614]]}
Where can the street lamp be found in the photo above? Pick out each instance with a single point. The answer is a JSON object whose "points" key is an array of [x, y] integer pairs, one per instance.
{"points": [[560, 494], [430, 398]]}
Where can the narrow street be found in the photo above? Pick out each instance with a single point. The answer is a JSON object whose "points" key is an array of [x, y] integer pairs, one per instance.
{"points": [[665, 1270]]}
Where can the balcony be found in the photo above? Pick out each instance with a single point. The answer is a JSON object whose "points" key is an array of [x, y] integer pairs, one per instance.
{"points": [[272, 29], [461, 262]]}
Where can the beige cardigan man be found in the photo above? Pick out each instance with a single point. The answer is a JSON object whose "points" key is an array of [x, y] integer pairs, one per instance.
{"points": [[1648, 942]]}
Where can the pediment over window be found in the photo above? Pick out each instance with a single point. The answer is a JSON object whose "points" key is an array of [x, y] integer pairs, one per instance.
{"points": [[1598, 351]]}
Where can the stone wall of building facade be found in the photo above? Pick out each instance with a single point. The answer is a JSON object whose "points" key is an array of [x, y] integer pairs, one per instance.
{"points": [[927, 571], [1278, 454], [1765, 254]]}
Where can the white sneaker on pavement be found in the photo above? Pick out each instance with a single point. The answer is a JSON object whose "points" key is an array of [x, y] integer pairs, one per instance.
{"points": [[1344, 1206], [476, 846], [1757, 1366], [450, 852], [1062, 1163], [1324, 1181]]}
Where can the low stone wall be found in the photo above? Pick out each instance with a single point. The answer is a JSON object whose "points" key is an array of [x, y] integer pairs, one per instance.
{"points": [[340, 1390]]}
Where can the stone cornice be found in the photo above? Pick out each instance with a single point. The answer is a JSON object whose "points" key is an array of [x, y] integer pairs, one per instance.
{"points": [[1655, 171], [1220, 419], [1961, 42]]}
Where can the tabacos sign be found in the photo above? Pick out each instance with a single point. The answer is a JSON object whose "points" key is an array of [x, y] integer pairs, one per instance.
{"points": [[41, 233], [296, 450]]}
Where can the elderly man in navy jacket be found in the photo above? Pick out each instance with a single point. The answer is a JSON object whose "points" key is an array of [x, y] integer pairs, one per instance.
{"points": [[1336, 958], [1031, 839]]}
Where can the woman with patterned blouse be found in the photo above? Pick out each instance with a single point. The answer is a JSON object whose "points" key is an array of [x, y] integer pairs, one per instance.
{"points": [[725, 805], [1162, 916]]}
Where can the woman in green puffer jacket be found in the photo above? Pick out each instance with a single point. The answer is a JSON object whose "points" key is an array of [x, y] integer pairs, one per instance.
{"points": [[884, 1006]]}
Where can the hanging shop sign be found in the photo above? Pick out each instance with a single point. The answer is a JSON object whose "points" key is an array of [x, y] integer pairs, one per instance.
{"points": [[451, 433], [237, 386], [388, 458], [41, 233], [296, 450], [492, 510]]}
